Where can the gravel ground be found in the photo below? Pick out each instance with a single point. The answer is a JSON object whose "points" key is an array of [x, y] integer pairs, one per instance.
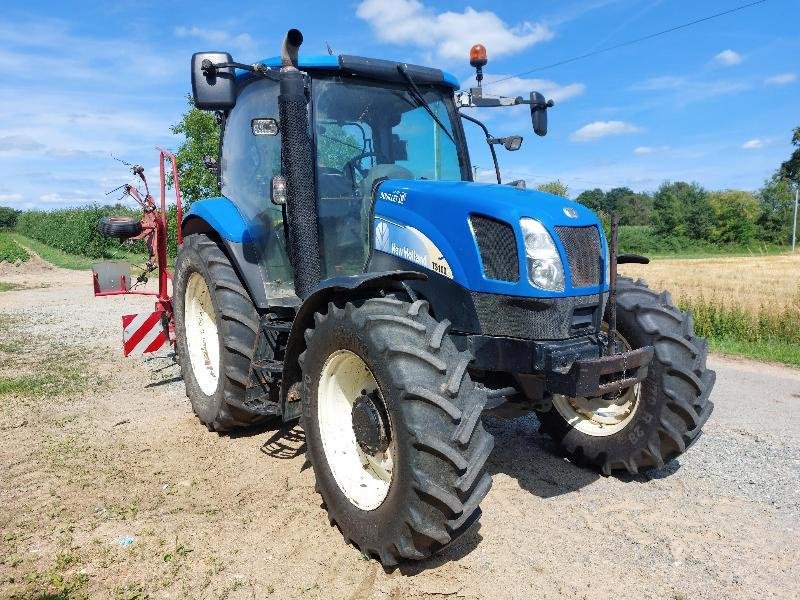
{"points": [[111, 488]]}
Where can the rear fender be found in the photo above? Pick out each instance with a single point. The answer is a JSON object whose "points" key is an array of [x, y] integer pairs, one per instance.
{"points": [[341, 290]]}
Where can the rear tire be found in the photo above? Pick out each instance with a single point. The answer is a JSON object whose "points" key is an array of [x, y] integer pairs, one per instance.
{"points": [[438, 446], [673, 402], [119, 227], [216, 326]]}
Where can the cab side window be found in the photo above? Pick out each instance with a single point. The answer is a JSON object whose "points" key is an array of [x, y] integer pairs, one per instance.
{"points": [[249, 162]]}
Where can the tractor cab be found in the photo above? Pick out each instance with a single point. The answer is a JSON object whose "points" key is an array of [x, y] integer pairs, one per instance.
{"points": [[368, 121]]}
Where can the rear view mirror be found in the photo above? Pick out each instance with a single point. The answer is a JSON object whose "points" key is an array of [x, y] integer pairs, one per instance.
{"points": [[513, 143], [213, 88], [539, 108], [399, 148]]}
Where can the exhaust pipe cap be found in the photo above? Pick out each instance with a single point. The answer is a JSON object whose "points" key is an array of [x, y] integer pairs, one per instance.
{"points": [[290, 47]]}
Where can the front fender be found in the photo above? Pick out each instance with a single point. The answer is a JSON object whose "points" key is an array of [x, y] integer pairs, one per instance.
{"points": [[338, 288], [221, 215]]}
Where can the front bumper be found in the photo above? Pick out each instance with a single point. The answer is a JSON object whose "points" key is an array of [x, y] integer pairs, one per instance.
{"points": [[601, 376], [576, 367]]}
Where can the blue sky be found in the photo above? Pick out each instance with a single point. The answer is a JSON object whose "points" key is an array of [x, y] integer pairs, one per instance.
{"points": [[714, 103]]}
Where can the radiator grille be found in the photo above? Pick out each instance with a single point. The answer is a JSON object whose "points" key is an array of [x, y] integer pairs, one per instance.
{"points": [[497, 245], [582, 245]]}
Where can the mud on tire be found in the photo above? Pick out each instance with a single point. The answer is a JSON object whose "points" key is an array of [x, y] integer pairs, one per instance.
{"points": [[434, 408], [223, 408], [674, 402]]}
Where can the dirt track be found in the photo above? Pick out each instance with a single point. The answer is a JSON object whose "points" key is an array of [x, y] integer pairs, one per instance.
{"points": [[95, 448]]}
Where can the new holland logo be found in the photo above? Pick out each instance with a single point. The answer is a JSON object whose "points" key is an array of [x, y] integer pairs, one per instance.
{"points": [[382, 236], [570, 212]]}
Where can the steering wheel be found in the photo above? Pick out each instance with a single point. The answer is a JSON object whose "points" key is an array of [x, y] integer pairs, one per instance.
{"points": [[354, 165]]}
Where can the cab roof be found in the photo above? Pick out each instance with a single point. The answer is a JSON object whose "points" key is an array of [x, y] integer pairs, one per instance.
{"points": [[374, 68]]}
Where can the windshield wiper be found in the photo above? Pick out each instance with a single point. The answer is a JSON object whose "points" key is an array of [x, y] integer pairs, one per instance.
{"points": [[417, 95]]}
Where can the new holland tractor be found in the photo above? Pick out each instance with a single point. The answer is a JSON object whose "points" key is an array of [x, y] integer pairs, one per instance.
{"points": [[355, 277]]}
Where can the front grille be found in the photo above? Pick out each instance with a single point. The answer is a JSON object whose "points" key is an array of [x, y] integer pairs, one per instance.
{"points": [[582, 245], [538, 318], [497, 245]]}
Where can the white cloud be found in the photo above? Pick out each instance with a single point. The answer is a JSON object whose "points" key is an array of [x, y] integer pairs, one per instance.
{"points": [[19, 143], [517, 86], [221, 38], [450, 34], [599, 129], [781, 79], [728, 58], [686, 90], [753, 144], [10, 198], [644, 150]]}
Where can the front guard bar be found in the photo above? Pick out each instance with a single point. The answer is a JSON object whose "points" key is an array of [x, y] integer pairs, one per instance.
{"points": [[601, 376]]}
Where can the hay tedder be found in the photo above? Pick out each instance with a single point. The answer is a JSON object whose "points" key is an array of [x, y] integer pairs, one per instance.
{"points": [[355, 277]]}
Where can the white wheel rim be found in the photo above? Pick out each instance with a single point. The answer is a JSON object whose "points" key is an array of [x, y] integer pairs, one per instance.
{"points": [[364, 479], [600, 417], [202, 341]]}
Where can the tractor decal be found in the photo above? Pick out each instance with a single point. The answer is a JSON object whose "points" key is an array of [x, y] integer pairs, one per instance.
{"points": [[410, 244]]}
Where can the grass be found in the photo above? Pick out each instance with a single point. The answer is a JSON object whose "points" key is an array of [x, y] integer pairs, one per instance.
{"points": [[29, 372], [769, 350], [9, 251], [65, 260], [8, 287], [53, 255], [748, 306], [721, 251]]}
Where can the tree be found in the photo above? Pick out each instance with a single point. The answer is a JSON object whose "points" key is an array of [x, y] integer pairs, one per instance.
{"points": [[8, 217], [337, 147], [682, 210], [635, 209], [615, 198], [593, 199], [554, 187], [201, 138], [735, 213], [777, 205], [790, 169]]}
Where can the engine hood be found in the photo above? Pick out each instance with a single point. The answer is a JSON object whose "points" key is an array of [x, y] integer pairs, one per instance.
{"points": [[440, 211]]}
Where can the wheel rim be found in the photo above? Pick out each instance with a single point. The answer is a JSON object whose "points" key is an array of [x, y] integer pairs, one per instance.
{"points": [[602, 416], [363, 478], [202, 340]]}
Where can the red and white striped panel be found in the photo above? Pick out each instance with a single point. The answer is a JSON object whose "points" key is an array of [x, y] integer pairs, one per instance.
{"points": [[142, 333]]}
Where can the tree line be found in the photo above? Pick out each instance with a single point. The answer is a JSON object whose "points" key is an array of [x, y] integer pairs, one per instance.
{"points": [[680, 214]]}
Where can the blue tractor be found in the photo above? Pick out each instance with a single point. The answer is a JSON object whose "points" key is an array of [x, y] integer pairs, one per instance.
{"points": [[355, 277]]}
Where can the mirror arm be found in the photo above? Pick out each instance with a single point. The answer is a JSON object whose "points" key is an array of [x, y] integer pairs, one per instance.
{"points": [[489, 141], [210, 68]]}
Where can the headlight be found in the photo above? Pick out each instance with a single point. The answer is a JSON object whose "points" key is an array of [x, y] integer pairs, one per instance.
{"points": [[545, 269]]}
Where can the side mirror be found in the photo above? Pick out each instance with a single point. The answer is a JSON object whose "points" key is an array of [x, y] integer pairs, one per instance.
{"points": [[513, 143], [213, 87], [539, 108]]}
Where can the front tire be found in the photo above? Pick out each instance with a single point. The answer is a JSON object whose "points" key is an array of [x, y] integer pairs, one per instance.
{"points": [[669, 408], [216, 325], [429, 478]]}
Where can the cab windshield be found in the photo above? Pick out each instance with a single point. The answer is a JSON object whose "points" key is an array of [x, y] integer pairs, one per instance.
{"points": [[366, 132]]}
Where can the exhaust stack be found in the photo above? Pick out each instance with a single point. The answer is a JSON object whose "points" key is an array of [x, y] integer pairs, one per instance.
{"points": [[290, 47], [297, 167]]}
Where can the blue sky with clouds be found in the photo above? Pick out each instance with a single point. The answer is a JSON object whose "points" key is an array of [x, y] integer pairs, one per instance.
{"points": [[714, 103]]}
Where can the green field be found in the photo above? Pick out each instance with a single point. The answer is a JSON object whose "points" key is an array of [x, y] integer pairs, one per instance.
{"points": [[10, 252]]}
